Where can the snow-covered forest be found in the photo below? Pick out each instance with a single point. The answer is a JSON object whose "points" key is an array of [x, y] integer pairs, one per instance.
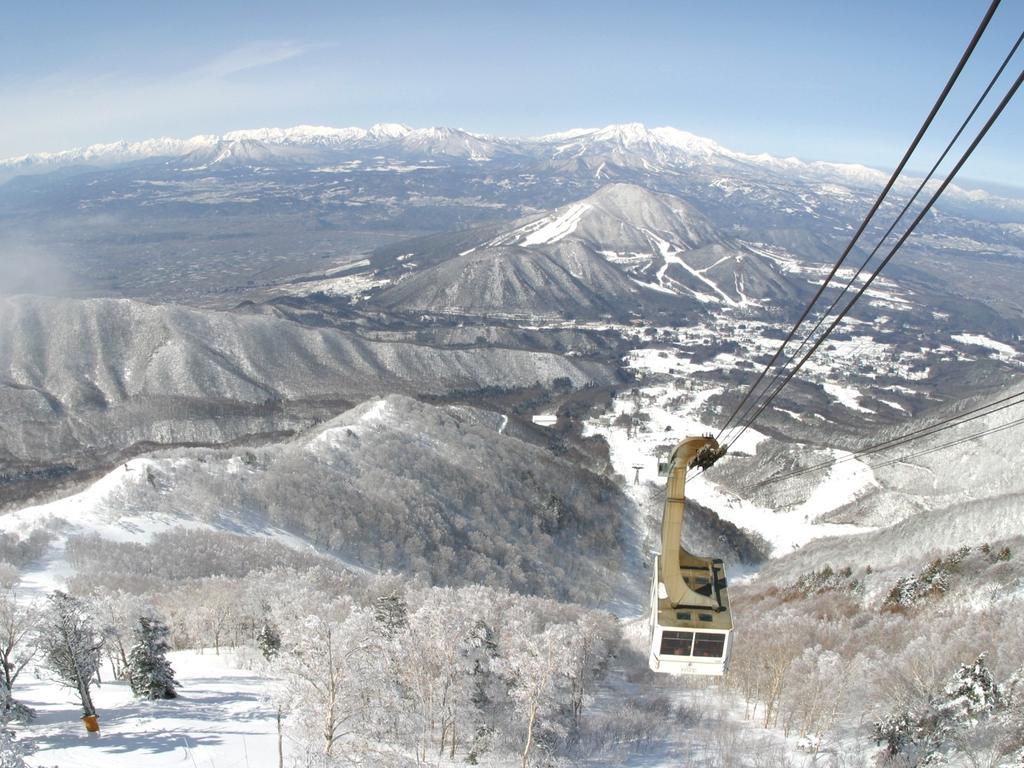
{"points": [[845, 665]]}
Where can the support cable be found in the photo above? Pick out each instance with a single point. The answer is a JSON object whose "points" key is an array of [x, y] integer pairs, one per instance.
{"points": [[877, 204], [932, 429], [899, 243], [963, 126], [952, 443]]}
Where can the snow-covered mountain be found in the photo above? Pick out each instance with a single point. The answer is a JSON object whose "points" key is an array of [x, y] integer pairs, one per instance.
{"points": [[623, 249], [84, 380], [568, 281], [453, 512], [619, 218], [302, 143], [629, 146], [225, 214], [627, 282]]}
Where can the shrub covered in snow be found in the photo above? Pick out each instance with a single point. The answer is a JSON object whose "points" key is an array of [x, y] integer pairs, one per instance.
{"points": [[149, 672], [825, 580], [935, 579], [970, 711]]}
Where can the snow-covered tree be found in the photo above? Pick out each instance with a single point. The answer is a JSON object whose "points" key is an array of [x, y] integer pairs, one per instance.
{"points": [[533, 665], [479, 651], [434, 673], [391, 614], [896, 732], [950, 722], [71, 645], [587, 656], [324, 680], [217, 611], [18, 621], [149, 672], [116, 613], [12, 752], [972, 694], [268, 640]]}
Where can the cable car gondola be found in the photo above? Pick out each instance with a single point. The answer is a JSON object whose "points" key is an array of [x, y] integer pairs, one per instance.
{"points": [[690, 622]]}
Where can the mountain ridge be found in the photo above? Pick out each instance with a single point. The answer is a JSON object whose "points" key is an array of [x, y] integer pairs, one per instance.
{"points": [[664, 144]]}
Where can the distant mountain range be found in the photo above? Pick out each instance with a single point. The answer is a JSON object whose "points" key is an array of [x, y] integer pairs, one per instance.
{"points": [[214, 219], [630, 145]]}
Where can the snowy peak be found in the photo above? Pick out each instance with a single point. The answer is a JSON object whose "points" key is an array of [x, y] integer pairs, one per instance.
{"points": [[389, 131], [598, 151], [619, 217], [300, 134], [634, 145], [448, 141], [637, 206], [628, 144], [658, 242], [302, 143]]}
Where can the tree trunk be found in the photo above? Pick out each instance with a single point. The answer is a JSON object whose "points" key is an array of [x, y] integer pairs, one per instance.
{"points": [[7, 668], [124, 660], [280, 741], [529, 734], [83, 691]]}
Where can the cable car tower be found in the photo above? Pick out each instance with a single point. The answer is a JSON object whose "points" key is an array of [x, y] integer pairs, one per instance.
{"points": [[690, 620]]}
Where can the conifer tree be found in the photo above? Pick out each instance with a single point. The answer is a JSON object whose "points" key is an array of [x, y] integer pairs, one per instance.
{"points": [[149, 672], [11, 750], [970, 695], [268, 640], [391, 614]]}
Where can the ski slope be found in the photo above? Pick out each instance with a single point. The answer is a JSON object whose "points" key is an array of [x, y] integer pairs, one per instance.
{"points": [[663, 414], [221, 719]]}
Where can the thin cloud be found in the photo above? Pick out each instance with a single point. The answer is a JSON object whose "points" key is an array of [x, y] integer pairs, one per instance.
{"points": [[65, 109], [252, 56]]}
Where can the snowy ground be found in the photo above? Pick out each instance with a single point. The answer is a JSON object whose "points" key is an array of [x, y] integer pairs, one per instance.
{"points": [[219, 721], [100, 509], [668, 412]]}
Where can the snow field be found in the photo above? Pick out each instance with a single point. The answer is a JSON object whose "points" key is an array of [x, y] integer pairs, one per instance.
{"points": [[555, 229], [670, 414], [219, 720]]}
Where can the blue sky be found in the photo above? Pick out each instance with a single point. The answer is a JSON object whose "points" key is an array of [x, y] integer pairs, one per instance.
{"points": [[820, 80]]}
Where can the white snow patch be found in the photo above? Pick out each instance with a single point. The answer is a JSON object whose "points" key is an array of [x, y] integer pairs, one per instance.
{"points": [[848, 396], [221, 719], [845, 482], [1001, 349], [785, 531], [670, 254], [558, 228], [893, 404]]}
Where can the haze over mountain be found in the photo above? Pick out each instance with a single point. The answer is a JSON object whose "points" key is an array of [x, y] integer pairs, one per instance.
{"points": [[213, 219]]}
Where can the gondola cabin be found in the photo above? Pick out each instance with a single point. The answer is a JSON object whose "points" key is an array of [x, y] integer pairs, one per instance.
{"points": [[691, 640], [690, 622]]}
